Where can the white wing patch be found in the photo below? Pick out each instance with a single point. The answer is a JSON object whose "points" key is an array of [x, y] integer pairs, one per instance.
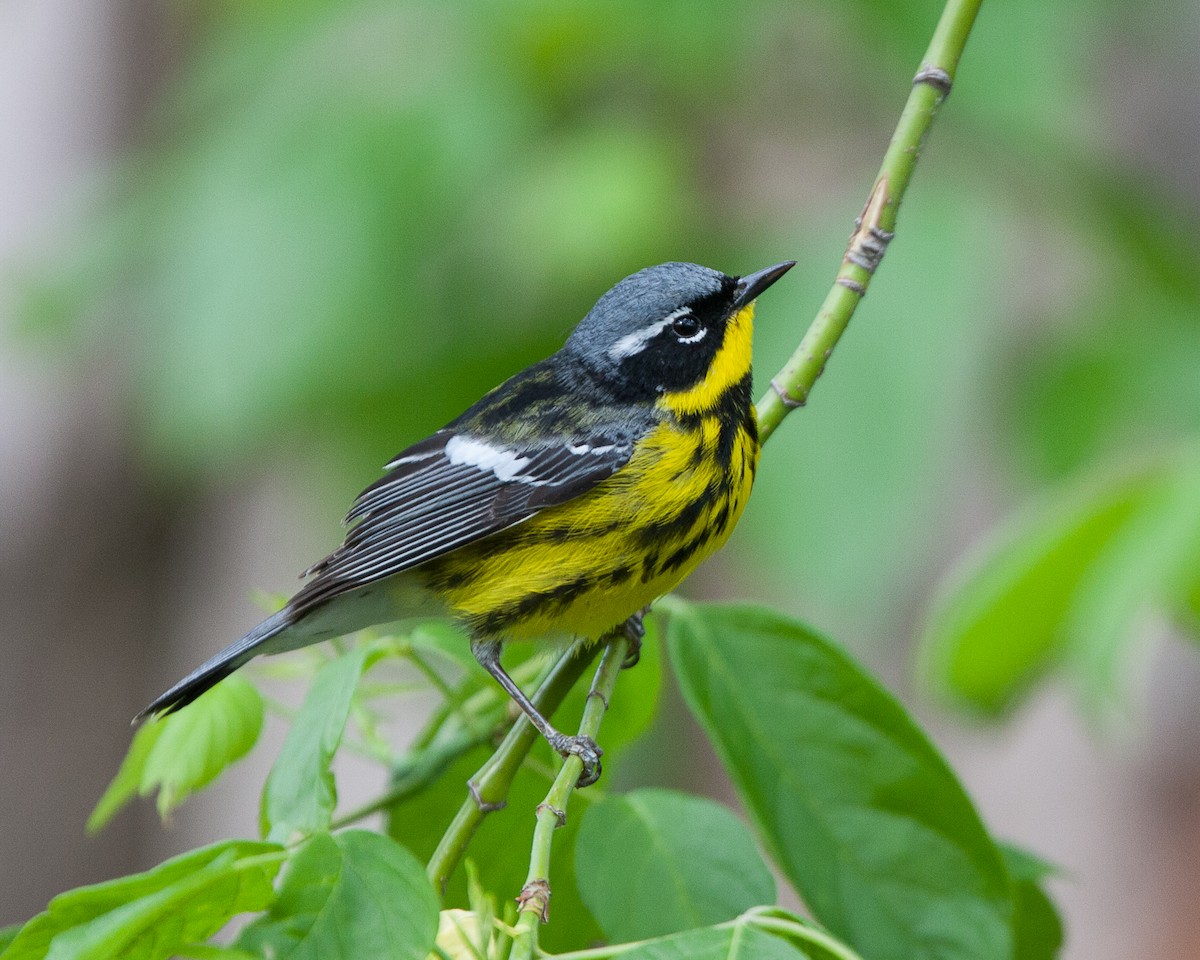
{"points": [[508, 466], [467, 451], [636, 342], [580, 449]]}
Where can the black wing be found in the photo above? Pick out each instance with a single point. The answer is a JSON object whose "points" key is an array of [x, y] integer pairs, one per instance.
{"points": [[453, 488]]}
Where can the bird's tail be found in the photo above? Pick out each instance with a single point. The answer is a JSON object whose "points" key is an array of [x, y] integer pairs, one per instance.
{"points": [[297, 625], [213, 671]]}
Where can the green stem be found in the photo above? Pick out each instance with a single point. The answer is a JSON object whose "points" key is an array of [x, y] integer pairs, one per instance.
{"points": [[489, 787], [600, 953], [876, 226], [767, 919], [552, 812]]}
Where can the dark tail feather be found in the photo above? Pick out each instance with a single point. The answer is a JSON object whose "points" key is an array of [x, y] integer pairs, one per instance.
{"points": [[213, 671]]}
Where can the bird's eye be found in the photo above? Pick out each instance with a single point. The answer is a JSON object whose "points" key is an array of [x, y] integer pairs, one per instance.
{"points": [[687, 328]]}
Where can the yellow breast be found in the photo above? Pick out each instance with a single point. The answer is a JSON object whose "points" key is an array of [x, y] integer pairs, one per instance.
{"points": [[584, 566]]}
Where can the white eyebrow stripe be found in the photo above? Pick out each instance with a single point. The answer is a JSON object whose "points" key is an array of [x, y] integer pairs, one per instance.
{"points": [[636, 342], [468, 451]]}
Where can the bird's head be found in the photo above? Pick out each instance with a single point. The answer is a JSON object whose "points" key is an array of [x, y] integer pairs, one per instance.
{"points": [[675, 331]]}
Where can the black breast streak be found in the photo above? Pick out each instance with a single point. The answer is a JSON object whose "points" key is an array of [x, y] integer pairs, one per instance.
{"points": [[693, 425], [734, 414], [542, 602], [685, 552], [680, 522], [727, 436], [619, 575], [722, 518], [442, 581]]}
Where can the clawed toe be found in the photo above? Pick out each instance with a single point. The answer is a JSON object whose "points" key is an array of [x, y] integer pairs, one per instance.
{"points": [[586, 750], [635, 632]]}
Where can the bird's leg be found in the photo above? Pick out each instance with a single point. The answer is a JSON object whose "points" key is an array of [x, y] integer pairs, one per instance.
{"points": [[635, 632], [487, 652]]}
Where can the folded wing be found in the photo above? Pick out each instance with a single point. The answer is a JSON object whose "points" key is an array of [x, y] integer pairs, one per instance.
{"points": [[450, 489]]}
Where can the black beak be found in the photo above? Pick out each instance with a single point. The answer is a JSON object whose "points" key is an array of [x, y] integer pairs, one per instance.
{"points": [[751, 286]]}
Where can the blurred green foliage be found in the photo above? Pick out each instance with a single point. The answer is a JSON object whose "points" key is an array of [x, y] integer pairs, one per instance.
{"points": [[345, 221], [1064, 583]]}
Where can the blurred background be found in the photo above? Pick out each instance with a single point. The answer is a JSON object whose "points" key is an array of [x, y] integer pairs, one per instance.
{"points": [[249, 251]]}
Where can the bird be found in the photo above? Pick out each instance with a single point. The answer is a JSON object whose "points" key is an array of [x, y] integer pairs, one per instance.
{"points": [[563, 503]]}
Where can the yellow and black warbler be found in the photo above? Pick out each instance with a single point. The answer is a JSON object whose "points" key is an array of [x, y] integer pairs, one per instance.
{"points": [[563, 502]]}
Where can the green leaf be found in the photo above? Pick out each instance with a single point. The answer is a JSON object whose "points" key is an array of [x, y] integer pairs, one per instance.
{"points": [[1000, 627], [1065, 584], [1145, 563], [1037, 927], [192, 909], [125, 784], [860, 811], [200, 741], [355, 895], [654, 862], [733, 942], [300, 793], [151, 915], [187, 750], [1024, 865], [8, 935]]}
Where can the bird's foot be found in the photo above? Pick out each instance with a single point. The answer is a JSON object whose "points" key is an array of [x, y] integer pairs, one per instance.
{"points": [[585, 749], [635, 632]]}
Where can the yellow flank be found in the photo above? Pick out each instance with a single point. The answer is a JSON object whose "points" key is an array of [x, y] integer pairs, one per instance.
{"points": [[583, 567]]}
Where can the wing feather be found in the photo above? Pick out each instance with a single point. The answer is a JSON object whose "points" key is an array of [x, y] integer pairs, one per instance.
{"points": [[451, 489]]}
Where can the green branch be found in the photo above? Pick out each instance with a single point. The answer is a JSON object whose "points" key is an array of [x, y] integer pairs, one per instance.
{"points": [[876, 225], [552, 812], [488, 789]]}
